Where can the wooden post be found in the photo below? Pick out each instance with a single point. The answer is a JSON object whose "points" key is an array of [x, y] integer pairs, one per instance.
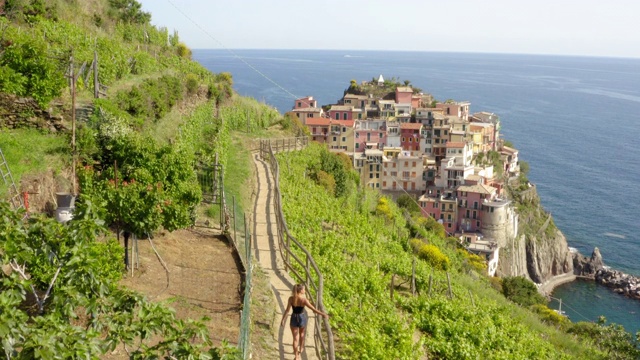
{"points": [[73, 124], [393, 278], [430, 282], [473, 303], [96, 84], [235, 236], [413, 277], [449, 283]]}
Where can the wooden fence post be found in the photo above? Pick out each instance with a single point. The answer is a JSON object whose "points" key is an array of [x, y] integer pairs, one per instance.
{"points": [[393, 278], [449, 283]]}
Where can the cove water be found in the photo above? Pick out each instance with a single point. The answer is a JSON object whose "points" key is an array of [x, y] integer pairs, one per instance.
{"points": [[575, 120]]}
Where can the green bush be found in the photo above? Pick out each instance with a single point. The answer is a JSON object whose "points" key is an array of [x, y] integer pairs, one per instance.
{"points": [[521, 291], [432, 255], [192, 83]]}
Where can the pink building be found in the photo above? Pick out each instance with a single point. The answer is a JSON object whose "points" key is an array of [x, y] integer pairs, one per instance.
{"points": [[470, 200], [404, 94], [344, 112], [410, 136], [459, 109], [371, 134], [305, 102]]}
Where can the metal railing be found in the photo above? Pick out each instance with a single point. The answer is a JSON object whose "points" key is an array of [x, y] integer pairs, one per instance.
{"points": [[324, 348]]}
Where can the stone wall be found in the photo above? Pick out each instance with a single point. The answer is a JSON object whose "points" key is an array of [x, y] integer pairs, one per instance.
{"points": [[16, 112]]}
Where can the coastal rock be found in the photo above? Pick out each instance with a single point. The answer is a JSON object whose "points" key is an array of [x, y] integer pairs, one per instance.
{"points": [[588, 267], [538, 253]]}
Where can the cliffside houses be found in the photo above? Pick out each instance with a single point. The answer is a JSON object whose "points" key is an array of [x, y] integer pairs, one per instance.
{"points": [[450, 160]]}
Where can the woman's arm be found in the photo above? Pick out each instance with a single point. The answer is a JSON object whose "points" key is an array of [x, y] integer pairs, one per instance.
{"points": [[284, 316], [310, 306]]}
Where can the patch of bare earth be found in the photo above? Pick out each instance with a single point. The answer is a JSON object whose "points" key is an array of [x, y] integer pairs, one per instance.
{"points": [[203, 280]]}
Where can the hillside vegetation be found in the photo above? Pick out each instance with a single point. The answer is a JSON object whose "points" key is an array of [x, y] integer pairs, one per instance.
{"points": [[363, 244], [137, 148]]}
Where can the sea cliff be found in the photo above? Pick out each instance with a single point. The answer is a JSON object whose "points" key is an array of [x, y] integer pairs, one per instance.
{"points": [[540, 251]]}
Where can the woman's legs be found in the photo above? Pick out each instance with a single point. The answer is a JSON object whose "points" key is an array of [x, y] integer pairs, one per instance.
{"points": [[295, 332], [301, 340]]}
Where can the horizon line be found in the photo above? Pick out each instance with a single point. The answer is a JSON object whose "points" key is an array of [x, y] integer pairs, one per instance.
{"points": [[430, 51]]}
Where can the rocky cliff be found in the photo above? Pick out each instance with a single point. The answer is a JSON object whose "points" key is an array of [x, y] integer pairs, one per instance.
{"points": [[540, 251]]}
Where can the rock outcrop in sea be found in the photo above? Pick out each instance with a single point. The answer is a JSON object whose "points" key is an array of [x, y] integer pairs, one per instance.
{"points": [[594, 268]]}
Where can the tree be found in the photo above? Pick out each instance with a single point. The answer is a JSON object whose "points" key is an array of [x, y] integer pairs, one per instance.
{"points": [[59, 297], [521, 291], [407, 202]]}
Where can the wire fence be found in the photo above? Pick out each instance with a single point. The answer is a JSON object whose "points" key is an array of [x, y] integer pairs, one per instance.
{"points": [[235, 227]]}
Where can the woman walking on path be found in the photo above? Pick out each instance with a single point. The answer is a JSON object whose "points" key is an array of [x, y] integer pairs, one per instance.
{"points": [[298, 323]]}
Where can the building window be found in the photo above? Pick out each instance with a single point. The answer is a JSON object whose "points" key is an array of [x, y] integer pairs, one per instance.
{"points": [[370, 175], [368, 136], [377, 185], [344, 116], [405, 174], [370, 167], [357, 135], [381, 135], [344, 138], [403, 139], [357, 146], [299, 104], [314, 130], [359, 116], [478, 223], [334, 138], [406, 163], [384, 184], [337, 116], [377, 175], [394, 165], [378, 167], [410, 139], [344, 129], [435, 205]]}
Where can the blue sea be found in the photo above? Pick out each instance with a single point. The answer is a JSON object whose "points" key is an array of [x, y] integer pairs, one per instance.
{"points": [[575, 120]]}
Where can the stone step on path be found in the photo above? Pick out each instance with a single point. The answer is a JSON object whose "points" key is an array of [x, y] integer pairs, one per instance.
{"points": [[267, 255]]}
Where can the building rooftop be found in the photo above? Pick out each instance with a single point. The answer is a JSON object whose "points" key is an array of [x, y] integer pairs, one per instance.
{"points": [[453, 144], [317, 121], [478, 188], [341, 108], [404, 89], [411, 126]]}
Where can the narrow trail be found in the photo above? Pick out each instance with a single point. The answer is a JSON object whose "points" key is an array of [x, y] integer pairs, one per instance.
{"points": [[267, 254]]}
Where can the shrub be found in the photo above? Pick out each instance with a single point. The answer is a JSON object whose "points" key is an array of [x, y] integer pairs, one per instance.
{"points": [[408, 202], [433, 255], [191, 83], [326, 181], [183, 51], [521, 291], [383, 208]]}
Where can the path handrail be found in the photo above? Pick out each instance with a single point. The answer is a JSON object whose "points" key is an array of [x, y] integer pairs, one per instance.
{"points": [[285, 239]]}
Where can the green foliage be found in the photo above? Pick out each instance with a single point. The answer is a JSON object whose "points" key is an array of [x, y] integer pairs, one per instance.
{"points": [[327, 181], [428, 224], [60, 299], [521, 291], [406, 201], [383, 208], [154, 185], [458, 331], [551, 316], [183, 51], [26, 69], [473, 261], [333, 165], [612, 339], [433, 256], [152, 99], [30, 151], [191, 83], [130, 11]]}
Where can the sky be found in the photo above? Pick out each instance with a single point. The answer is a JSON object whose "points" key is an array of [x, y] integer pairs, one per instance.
{"points": [[563, 27]]}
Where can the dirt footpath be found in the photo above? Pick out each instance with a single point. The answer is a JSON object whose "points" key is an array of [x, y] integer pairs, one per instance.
{"points": [[203, 279]]}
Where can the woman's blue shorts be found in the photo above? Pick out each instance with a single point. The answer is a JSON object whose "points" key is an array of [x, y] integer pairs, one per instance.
{"points": [[299, 320]]}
